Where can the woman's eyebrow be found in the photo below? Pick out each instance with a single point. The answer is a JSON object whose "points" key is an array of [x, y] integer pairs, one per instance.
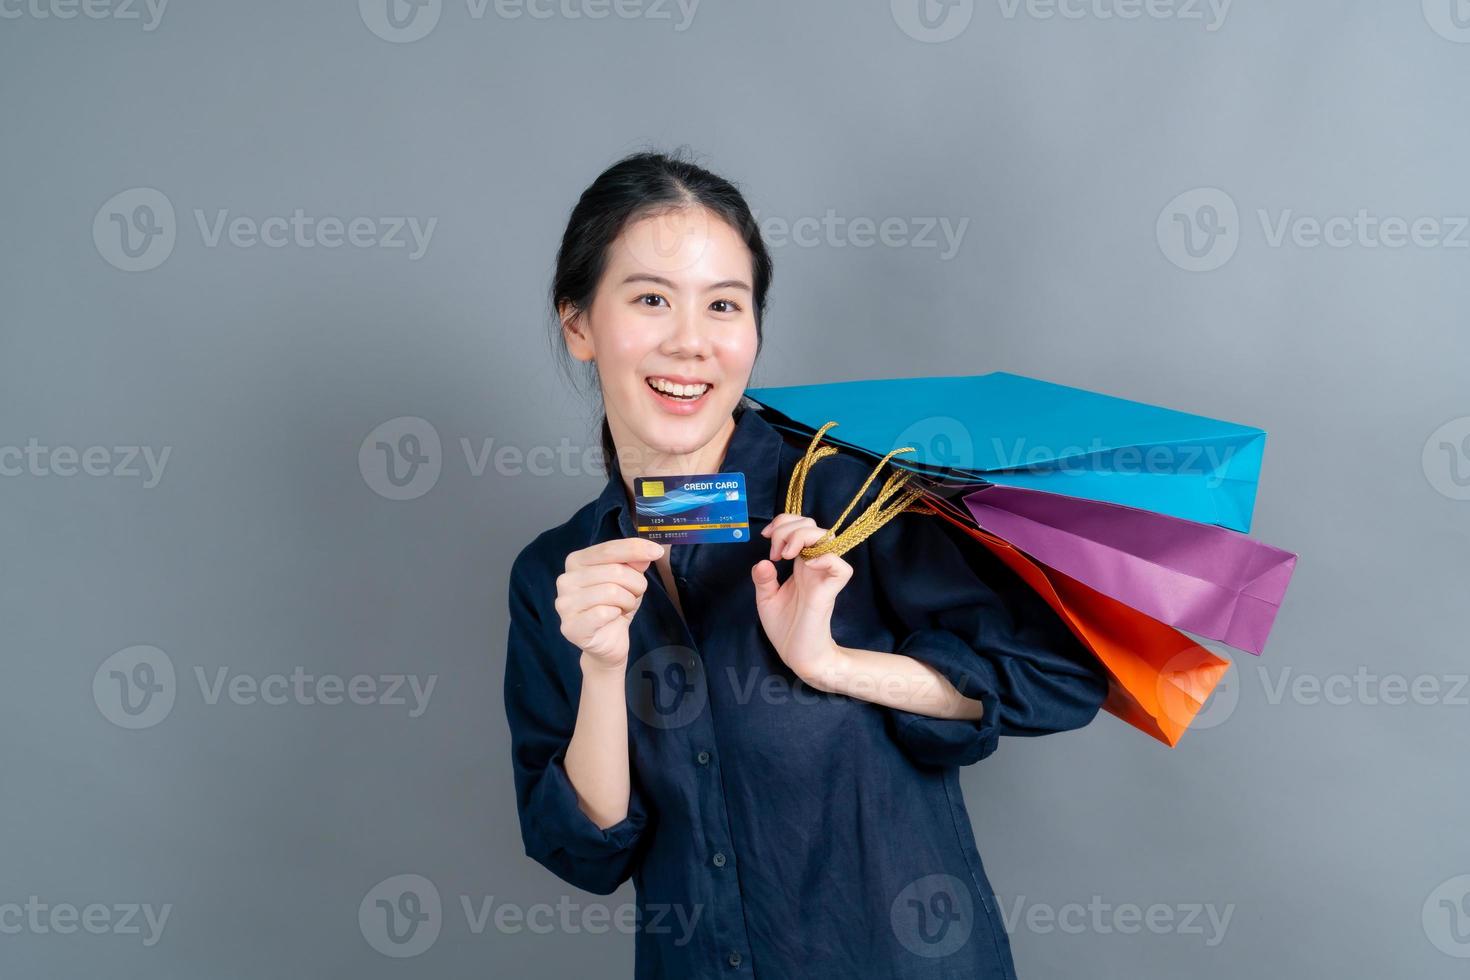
{"points": [[669, 284]]}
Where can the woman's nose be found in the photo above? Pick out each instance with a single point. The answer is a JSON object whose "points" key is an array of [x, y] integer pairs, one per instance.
{"points": [[688, 335]]}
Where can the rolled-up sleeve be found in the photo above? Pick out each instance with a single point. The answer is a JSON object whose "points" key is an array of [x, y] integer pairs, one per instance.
{"points": [[541, 709], [962, 612]]}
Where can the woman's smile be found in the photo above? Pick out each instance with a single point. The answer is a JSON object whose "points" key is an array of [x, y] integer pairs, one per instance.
{"points": [[678, 396]]}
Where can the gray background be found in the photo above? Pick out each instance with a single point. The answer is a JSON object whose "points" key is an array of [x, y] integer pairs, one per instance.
{"points": [[1330, 831]]}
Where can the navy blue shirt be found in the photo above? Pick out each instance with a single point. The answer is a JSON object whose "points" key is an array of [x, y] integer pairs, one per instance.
{"points": [[775, 830]]}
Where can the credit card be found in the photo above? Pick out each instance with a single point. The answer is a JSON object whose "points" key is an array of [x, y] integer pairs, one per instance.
{"points": [[707, 508]]}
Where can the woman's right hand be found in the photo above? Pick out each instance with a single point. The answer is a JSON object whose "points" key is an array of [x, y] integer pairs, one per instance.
{"points": [[598, 594]]}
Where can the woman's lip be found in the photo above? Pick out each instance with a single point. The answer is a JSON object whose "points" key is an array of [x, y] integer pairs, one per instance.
{"points": [[679, 379], [676, 406]]}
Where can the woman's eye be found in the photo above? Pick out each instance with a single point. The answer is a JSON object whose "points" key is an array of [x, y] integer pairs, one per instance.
{"points": [[732, 306], [653, 296]]}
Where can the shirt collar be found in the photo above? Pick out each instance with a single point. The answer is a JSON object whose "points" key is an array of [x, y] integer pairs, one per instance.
{"points": [[754, 449]]}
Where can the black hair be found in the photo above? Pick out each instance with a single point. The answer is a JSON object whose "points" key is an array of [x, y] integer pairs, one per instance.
{"points": [[639, 186]]}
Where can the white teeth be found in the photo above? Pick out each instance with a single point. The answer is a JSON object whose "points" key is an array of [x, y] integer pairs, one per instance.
{"points": [[677, 390]]}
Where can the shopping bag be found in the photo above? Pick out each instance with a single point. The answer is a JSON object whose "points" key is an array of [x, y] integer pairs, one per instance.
{"points": [[1159, 679], [1016, 431], [1211, 581]]}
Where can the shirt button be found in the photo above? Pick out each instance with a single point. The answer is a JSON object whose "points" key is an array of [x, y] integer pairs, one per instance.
{"points": [[733, 958], [702, 758], [719, 859]]}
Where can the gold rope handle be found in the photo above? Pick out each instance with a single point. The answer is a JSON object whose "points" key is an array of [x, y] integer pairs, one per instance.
{"points": [[893, 499]]}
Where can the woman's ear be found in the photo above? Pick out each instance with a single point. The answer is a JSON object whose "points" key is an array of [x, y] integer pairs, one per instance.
{"points": [[574, 331]]}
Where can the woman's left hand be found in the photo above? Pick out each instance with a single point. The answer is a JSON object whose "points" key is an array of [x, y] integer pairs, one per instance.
{"points": [[797, 614]]}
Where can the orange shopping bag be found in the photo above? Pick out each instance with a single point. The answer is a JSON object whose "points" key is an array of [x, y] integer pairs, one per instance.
{"points": [[1160, 678]]}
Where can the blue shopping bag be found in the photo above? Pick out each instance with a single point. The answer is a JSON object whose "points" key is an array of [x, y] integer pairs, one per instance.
{"points": [[1016, 431]]}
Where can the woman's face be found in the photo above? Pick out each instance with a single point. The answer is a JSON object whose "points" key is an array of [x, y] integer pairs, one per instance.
{"points": [[674, 308]]}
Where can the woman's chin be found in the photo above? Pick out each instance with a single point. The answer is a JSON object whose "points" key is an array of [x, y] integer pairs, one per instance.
{"points": [[680, 435]]}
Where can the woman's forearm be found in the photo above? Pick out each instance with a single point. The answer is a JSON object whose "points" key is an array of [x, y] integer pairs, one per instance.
{"points": [[892, 679], [597, 757]]}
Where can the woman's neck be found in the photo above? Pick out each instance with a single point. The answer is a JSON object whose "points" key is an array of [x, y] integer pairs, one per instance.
{"points": [[705, 459]]}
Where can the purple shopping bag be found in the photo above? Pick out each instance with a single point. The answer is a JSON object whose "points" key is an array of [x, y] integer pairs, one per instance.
{"points": [[1202, 578]]}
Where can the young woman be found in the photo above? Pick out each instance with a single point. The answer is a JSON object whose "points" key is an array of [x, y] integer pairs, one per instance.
{"points": [[768, 746]]}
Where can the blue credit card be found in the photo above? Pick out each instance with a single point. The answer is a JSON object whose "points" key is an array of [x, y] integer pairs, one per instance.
{"points": [[706, 508]]}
